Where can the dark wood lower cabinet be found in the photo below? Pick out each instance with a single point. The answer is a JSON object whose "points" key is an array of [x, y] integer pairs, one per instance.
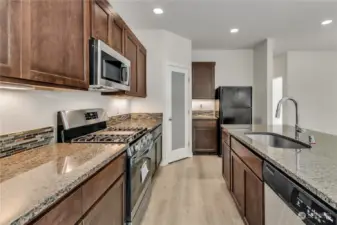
{"points": [[99, 201], [226, 163], [110, 209], [247, 190], [254, 198], [204, 134], [238, 183]]}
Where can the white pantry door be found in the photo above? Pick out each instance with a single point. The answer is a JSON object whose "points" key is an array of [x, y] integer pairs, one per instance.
{"points": [[177, 108]]}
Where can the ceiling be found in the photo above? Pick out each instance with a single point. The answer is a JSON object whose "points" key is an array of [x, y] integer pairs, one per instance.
{"points": [[294, 25]]}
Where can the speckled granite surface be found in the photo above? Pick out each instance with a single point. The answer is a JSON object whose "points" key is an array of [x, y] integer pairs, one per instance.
{"points": [[204, 114], [147, 123], [315, 168], [33, 180]]}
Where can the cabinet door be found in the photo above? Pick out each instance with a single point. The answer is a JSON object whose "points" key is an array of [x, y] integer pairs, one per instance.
{"points": [[226, 163], [238, 182], [100, 16], [203, 80], [55, 42], [10, 38], [67, 212], [204, 137], [117, 33], [131, 54], [110, 209], [254, 198], [141, 72]]}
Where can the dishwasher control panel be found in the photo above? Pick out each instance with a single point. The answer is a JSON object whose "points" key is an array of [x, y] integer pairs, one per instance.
{"points": [[310, 211], [309, 208]]}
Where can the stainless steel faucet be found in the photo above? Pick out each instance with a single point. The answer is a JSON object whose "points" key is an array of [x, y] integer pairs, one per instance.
{"points": [[298, 129]]}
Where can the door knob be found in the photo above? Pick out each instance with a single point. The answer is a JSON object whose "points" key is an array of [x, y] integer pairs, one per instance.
{"points": [[170, 119]]}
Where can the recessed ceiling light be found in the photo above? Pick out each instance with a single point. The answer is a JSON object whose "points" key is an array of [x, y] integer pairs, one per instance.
{"points": [[326, 22], [158, 11], [234, 30]]}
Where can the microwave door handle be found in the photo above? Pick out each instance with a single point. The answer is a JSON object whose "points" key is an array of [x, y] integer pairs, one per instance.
{"points": [[125, 76]]}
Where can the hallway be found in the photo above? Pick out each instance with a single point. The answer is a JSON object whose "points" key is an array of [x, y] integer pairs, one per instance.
{"points": [[191, 191]]}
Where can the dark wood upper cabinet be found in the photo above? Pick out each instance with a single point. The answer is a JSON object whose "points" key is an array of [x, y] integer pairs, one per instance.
{"points": [[204, 134], [117, 33], [46, 43], [55, 38], [10, 38], [110, 209], [131, 54], [203, 86], [100, 20], [141, 72]]}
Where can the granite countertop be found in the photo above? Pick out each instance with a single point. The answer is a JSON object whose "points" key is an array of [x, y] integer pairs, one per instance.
{"points": [[202, 117], [150, 124], [315, 168], [33, 180]]}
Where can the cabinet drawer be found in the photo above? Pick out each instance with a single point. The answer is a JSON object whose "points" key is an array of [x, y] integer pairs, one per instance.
{"points": [[66, 212], [249, 158], [204, 123], [225, 137], [97, 185]]}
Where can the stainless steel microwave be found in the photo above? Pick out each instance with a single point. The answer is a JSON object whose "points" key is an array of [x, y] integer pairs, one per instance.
{"points": [[109, 70]]}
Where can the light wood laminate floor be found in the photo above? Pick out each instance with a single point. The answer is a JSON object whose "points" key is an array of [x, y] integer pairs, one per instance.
{"points": [[191, 192]]}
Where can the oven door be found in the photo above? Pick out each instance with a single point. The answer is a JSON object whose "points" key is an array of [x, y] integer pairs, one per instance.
{"points": [[109, 70], [141, 173]]}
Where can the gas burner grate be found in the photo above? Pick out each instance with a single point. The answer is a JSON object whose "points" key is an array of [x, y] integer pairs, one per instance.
{"points": [[102, 138], [135, 129]]}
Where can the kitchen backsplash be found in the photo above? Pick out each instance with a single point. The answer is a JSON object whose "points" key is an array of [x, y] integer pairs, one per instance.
{"points": [[135, 116], [22, 141]]}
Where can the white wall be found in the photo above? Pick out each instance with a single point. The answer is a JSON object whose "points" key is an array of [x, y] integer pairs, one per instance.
{"points": [[233, 67], [26, 110], [162, 47], [312, 80], [262, 82], [280, 70]]}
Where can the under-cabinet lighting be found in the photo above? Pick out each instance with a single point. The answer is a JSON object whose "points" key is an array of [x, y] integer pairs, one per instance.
{"points": [[326, 22], [9, 86]]}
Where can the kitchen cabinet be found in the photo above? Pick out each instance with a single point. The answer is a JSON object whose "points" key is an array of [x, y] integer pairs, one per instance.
{"points": [[46, 43], [54, 43], [117, 33], [204, 136], [65, 213], [203, 86], [246, 185], [238, 182], [159, 149], [10, 38], [110, 209], [99, 200], [141, 72], [131, 54], [100, 20], [226, 163], [254, 198]]}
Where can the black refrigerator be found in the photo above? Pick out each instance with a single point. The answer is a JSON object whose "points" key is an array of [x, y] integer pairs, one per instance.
{"points": [[235, 107]]}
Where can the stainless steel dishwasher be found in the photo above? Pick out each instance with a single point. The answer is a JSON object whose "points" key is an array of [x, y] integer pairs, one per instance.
{"points": [[286, 203]]}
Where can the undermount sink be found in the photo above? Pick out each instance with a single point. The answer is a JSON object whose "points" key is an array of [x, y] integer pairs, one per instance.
{"points": [[276, 140]]}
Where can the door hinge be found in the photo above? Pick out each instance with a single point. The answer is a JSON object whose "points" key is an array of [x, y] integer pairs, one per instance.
{"points": [[189, 80]]}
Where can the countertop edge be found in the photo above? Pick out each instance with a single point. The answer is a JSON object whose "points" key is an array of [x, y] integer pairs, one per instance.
{"points": [[302, 182], [48, 202]]}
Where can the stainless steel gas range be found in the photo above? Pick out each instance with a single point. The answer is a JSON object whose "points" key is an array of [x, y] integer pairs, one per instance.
{"points": [[90, 126]]}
